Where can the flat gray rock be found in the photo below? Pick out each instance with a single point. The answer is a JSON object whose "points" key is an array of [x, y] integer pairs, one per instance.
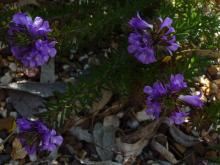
{"points": [[25, 103], [39, 89]]}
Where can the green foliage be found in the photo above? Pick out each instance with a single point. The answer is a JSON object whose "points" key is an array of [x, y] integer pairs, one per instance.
{"points": [[213, 113], [94, 24], [196, 22]]}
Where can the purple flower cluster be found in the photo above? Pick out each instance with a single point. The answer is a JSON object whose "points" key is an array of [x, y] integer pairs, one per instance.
{"points": [[36, 136], [147, 38], [159, 91], [29, 40]]}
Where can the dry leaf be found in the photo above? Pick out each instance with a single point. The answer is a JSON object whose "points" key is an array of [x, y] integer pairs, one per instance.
{"points": [[7, 124], [106, 96], [133, 144], [18, 152]]}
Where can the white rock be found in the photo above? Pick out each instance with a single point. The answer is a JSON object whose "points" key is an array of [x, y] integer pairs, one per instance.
{"points": [[13, 67], [13, 114], [3, 113], [7, 78], [119, 158], [66, 67], [133, 124], [142, 116], [83, 57], [86, 66]]}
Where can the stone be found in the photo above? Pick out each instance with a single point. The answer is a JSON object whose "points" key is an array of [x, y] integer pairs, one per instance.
{"points": [[65, 67], [13, 114], [119, 158], [81, 134], [142, 116], [48, 72], [13, 67], [7, 78]]}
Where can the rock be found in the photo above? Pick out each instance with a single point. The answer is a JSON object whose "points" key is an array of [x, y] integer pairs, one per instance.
{"points": [[81, 134], [13, 67], [65, 67], [86, 66], [104, 137], [48, 72], [150, 161], [133, 124], [13, 114], [25, 103], [142, 116], [40, 89], [3, 113], [119, 158], [7, 78]]}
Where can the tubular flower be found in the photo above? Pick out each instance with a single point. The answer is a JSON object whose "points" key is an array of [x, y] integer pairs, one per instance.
{"points": [[29, 40], [165, 97], [192, 100], [147, 38], [153, 109], [178, 117], [45, 139], [158, 90], [176, 83]]}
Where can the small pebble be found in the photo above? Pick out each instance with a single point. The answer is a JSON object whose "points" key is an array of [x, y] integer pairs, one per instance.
{"points": [[142, 116], [150, 161], [3, 113], [86, 66], [7, 78], [133, 124], [13, 67], [66, 67], [83, 57], [119, 158], [13, 114]]}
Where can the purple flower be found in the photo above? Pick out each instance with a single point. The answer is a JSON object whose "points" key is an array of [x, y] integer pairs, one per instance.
{"points": [[51, 140], [140, 46], [158, 90], [36, 136], [153, 109], [177, 83], [29, 40], [31, 150], [39, 27], [166, 23], [22, 19], [192, 100], [178, 117], [23, 124], [145, 39], [138, 23]]}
